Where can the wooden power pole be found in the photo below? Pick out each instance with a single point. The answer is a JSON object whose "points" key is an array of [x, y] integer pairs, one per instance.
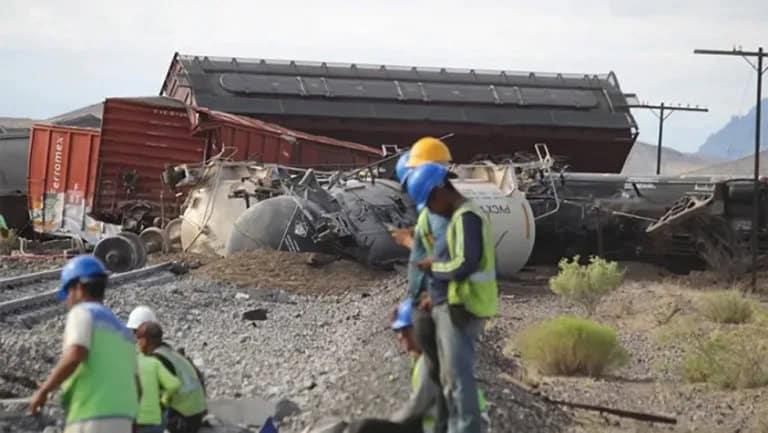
{"points": [[758, 55]]}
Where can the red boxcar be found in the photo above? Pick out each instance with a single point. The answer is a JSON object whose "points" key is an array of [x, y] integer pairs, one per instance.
{"points": [[252, 139], [81, 178]]}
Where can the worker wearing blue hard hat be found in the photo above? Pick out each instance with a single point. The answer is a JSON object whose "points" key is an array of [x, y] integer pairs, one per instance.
{"points": [[424, 390], [97, 370], [463, 291], [429, 230]]}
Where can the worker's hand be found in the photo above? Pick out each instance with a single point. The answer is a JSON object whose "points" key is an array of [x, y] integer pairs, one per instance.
{"points": [[38, 401], [425, 264], [403, 237], [425, 304]]}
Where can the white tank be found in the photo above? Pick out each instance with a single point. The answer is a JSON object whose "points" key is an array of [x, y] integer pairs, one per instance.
{"points": [[211, 208], [495, 188], [514, 230]]}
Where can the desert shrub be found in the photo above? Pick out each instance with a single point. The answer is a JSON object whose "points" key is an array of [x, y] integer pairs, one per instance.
{"points": [[586, 285], [569, 345], [726, 307], [731, 360]]}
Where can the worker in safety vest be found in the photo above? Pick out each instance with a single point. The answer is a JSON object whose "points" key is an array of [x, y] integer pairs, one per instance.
{"points": [[188, 406], [463, 291], [157, 383], [429, 230], [97, 370], [138, 316], [425, 391]]}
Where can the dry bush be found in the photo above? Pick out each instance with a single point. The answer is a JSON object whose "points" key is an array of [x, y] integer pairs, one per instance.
{"points": [[729, 360], [571, 346], [586, 285], [726, 307]]}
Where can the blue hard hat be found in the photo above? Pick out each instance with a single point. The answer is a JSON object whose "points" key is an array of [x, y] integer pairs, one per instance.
{"points": [[403, 319], [80, 268], [423, 180], [401, 170]]}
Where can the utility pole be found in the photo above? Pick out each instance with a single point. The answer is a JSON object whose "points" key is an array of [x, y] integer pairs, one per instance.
{"points": [[747, 55], [662, 117]]}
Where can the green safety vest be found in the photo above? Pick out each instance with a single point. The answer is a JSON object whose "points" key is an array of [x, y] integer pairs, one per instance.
{"points": [[157, 386], [429, 420], [190, 398], [104, 384], [424, 232], [479, 292]]}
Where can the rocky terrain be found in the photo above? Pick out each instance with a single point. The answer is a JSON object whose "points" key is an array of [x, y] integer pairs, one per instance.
{"points": [[331, 353], [272, 326]]}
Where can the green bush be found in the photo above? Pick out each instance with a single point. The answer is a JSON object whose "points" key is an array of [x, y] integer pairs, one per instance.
{"points": [[726, 307], [732, 360], [569, 345], [586, 285]]}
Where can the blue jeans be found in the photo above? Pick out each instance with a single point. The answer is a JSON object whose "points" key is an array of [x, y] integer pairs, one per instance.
{"points": [[457, 333]]}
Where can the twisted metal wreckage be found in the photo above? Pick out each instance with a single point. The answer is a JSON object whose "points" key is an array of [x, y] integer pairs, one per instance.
{"points": [[539, 213]]}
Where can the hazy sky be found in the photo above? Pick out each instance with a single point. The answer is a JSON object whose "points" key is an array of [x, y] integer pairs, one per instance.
{"points": [[60, 55]]}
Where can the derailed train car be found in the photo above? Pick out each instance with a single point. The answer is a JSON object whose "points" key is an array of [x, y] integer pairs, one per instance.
{"points": [[538, 215], [91, 183], [236, 207]]}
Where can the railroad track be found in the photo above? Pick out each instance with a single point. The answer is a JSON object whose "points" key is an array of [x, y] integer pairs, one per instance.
{"points": [[45, 301]]}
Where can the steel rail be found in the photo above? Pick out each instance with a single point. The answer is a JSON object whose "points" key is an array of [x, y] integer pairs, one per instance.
{"points": [[29, 278], [48, 298]]}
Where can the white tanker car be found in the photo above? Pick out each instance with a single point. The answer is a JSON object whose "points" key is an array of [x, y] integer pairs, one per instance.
{"points": [[240, 207]]}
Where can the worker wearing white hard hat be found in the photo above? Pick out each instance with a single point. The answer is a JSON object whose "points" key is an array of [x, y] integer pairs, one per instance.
{"points": [[139, 315]]}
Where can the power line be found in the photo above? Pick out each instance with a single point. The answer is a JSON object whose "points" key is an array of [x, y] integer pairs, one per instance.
{"points": [[662, 117], [759, 55]]}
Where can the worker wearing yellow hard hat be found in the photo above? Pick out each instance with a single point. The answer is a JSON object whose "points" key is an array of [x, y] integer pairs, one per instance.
{"points": [[430, 231], [428, 149]]}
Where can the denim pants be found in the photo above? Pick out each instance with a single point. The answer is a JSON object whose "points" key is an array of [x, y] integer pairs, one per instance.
{"points": [[426, 337], [457, 334]]}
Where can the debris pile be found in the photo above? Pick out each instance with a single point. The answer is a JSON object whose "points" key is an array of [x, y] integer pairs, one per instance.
{"points": [[294, 272]]}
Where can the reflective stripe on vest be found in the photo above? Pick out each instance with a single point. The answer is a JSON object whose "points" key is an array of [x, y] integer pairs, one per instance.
{"points": [[478, 293], [190, 399]]}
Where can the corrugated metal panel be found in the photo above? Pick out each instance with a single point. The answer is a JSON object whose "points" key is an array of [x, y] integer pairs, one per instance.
{"points": [[79, 178], [62, 176], [139, 137], [267, 142]]}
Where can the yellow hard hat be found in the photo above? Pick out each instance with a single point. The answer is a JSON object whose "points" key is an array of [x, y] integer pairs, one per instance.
{"points": [[428, 149]]}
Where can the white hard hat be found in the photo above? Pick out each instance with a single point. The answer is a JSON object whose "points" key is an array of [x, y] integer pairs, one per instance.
{"points": [[140, 315]]}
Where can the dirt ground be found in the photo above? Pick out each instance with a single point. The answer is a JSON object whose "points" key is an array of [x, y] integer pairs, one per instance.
{"points": [[643, 309], [646, 306], [295, 272]]}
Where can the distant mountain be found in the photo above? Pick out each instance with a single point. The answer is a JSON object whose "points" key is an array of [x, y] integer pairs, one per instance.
{"points": [[642, 161], [741, 167], [16, 122], [737, 138]]}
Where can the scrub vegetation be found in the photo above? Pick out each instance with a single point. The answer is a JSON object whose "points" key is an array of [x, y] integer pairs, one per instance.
{"points": [[571, 346], [586, 285], [726, 307]]}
